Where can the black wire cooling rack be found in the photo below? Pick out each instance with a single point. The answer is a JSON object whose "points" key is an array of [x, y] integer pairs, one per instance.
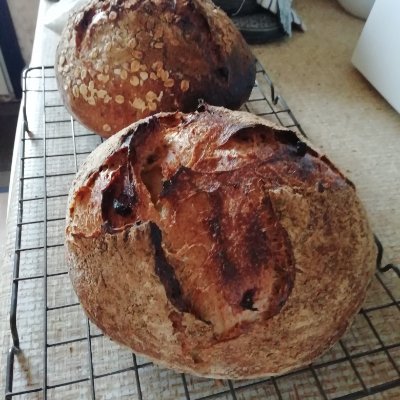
{"points": [[58, 354]]}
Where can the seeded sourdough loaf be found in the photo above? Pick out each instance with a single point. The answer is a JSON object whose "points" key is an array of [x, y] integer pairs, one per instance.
{"points": [[217, 243], [121, 60]]}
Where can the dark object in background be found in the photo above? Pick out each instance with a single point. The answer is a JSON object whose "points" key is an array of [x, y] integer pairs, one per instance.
{"points": [[8, 123], [10, 49], [260, 27], [256, 24], [236, 7]]}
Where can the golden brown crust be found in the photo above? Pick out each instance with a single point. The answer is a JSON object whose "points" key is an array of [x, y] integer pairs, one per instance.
{"points": [[120, 61], [218, 244]]}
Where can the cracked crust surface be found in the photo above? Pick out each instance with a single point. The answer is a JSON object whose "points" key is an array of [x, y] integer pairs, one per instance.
{"points": [[121, 60], [218, 244]]}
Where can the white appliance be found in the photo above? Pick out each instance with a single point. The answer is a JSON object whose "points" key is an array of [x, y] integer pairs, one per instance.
{"points": [[377, 55], [359, 8]]}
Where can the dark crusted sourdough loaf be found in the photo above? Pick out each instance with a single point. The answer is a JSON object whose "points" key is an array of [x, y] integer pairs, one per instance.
{"points": [[218, 244], [121, 60]]}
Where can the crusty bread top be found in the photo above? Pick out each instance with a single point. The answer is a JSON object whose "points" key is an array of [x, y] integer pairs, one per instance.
{"points": [[217, 243], [119, 61]]}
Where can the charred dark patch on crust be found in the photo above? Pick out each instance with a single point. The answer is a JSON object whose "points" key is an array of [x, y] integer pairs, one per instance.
{"points": [[247, 134], [294, 150], [119, 199], [202, 106], [223, 73], [171, 185], [185, 24], [247, 301], [117, 6], [320, 187], [256, 242], [124, 203], [227, 269], [288, 137], [214, 224], [166, 272], [301, 148]]}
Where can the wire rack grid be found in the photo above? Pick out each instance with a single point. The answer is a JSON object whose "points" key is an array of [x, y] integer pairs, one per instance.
{"points": [[57, 353]]}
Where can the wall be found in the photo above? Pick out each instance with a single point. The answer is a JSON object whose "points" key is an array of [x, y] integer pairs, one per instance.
{"points": [[24, 14]]}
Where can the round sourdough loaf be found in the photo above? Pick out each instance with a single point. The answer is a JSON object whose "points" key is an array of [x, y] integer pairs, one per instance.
{"points": [[119, 61], [217, 243]]}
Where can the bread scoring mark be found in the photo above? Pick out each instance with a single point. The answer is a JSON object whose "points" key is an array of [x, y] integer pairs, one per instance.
{"points": [[275, 254], [166, 272], [256, 242], [139, 134], [85, 19], [248, 246], [227, 268]]}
